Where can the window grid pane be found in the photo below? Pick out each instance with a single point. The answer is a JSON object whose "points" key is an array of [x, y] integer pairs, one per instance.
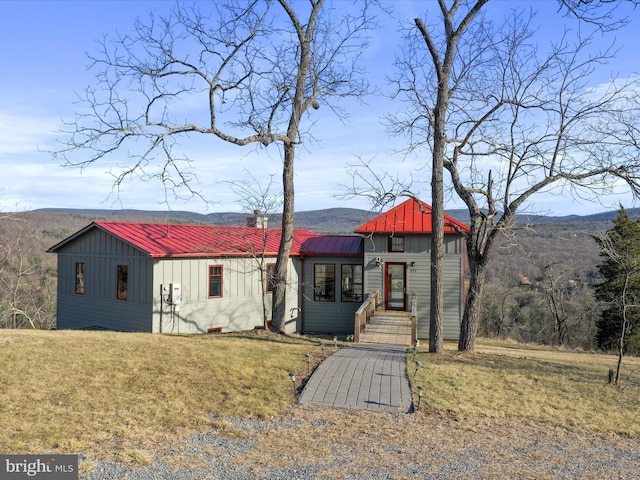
{"points": [[271, 270], [215, 281], [396, 244]]}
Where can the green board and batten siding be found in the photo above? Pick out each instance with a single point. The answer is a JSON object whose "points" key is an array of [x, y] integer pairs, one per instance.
{"points": [[330, 317], [101, 254], [417, 250]]}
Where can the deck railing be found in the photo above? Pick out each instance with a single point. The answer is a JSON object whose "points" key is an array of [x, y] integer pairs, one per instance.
{"points": [[363, 315]]}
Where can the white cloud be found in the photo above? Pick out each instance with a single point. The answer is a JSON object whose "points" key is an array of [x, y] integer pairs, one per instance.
{"points": [[22, 133], [50, 64]]}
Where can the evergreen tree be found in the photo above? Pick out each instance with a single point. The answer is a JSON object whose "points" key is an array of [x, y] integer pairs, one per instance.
{"points": [[620, 249]]}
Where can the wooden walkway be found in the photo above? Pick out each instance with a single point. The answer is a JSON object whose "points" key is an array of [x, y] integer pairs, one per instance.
{"points": [[369, 375]]}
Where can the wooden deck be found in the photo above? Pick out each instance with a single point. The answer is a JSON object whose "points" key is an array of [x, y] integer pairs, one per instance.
{"points": [[388, 327]]}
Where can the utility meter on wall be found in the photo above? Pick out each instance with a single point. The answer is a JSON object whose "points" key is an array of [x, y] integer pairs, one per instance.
{"points": [[175, 294]]}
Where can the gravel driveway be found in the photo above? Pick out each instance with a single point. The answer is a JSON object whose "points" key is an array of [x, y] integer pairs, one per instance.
{"points": [[328, 443]]}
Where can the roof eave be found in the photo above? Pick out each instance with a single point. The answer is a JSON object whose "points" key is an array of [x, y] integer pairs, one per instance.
{"points": [[216, 255], [411, 232], [79, 233], [329, 254]]}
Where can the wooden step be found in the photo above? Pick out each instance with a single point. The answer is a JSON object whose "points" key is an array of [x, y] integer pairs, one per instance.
{"points": [[388, 327]]}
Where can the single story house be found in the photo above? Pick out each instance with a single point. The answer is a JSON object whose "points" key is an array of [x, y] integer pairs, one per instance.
{"points": [[175, 278]]}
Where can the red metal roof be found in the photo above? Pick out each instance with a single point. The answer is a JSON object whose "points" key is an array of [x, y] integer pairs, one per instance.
{"points": [[176, 240], [334, 245], [411, 216]]}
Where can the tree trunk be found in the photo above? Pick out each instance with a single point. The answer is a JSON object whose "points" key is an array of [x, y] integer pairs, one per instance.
{"points": [[618, 366], [437, 264], [622, 334], [264, 281], [279, 299], [437, 215], [473, 304]]}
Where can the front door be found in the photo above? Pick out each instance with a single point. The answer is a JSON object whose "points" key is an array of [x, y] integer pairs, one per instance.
{"points": [[395, 286]]}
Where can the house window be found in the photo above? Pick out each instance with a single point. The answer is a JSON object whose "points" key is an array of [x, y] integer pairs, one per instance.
{"points": [[215, 281], [123, 282], [396, 244], [352, 283], [80, 278], [324, 282], [271, 273]]}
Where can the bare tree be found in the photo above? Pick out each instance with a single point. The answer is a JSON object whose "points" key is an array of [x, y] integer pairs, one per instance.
{"points": [[604, 14], [257, 69], [27, 286], [499, 313], [540, 288], [554, 137], [557, 287], [516, 122], [427, 127], [260, 202], [443, 64]]}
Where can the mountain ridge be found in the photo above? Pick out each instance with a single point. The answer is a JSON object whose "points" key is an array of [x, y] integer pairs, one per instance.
{"points": [[329, 220]]}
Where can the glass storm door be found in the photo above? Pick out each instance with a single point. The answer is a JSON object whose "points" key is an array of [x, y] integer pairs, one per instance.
{"points": [[395, 286]]}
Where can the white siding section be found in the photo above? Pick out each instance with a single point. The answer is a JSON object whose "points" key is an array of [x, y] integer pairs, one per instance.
{"points": [[453, 296], [239, 308]]}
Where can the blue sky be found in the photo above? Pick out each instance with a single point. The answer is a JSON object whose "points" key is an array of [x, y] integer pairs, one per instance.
{"points": [[43, 46]]}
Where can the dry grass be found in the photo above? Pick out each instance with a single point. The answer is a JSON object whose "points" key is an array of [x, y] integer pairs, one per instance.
{"points": [[126, 396], [551, 386], [103, 392]]}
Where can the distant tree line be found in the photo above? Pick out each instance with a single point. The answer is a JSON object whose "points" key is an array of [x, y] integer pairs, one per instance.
{"points": [[540, 287], [566, 285], [27, 276]]}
